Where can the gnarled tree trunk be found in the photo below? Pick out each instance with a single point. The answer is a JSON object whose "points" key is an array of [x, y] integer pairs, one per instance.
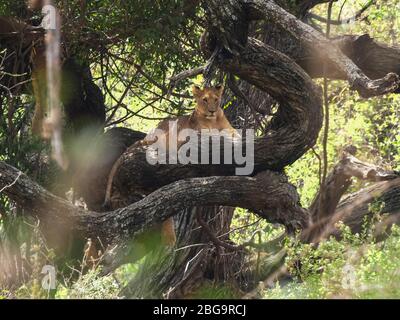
{"points": [[279, 68]]}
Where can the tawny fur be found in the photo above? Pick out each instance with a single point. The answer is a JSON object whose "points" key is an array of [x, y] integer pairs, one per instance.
{"points": [[208, 114]]}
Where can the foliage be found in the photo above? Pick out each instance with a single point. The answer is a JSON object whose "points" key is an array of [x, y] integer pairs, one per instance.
{"points": [[91, 286], [133, 48], [349, 268]]}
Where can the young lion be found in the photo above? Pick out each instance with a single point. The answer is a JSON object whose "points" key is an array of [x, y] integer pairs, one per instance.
{"points": [[208, 114]]}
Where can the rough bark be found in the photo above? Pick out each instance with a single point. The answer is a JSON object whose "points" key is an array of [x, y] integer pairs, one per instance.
{"points": [[386, 195], [179, 272], [355, 210], [268, 194], [292, 131], [339, 181], [375, 59], [265, 9]]}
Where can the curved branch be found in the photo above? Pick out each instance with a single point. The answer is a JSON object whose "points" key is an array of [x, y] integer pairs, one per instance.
{"points": [[268, 194], [340, 179], [291, 133], [327, 209], [355, 210], [267, 9], [293, 130]]}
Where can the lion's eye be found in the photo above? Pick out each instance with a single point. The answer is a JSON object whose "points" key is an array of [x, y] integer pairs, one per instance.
{"points": [[205, 100]]}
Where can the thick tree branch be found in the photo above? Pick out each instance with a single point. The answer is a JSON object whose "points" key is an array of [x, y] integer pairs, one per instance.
{"points": [[327, 209], [291, 133], [340, 179], [267, 9], [355, 210], [268, 195], [375, 59]]}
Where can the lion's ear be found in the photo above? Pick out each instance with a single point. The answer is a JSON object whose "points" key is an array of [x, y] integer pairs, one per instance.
{"points": [[196, 91], [220, 89]]}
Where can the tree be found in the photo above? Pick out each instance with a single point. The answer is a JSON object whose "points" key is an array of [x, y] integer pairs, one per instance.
{"points": [[269, 54]]}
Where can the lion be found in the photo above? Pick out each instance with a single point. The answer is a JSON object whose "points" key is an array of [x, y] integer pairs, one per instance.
{"points": [[207, 114]]}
